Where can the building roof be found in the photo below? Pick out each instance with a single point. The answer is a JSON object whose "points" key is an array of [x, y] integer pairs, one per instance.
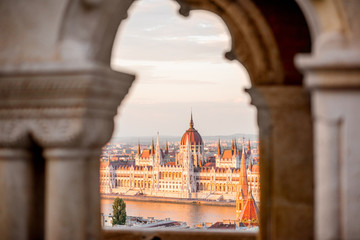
{"points": [[249, 215], [191, 135], [104, 164], [221, 225], [227, 154], [255, 168], [209, 164], [170, 164], [145, 153]]}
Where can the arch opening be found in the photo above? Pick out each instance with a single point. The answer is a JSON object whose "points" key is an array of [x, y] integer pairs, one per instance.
{"points": [[198, 55]]}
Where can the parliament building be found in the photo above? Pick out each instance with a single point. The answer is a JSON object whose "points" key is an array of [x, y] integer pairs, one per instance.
{"points": [[190, 176]]}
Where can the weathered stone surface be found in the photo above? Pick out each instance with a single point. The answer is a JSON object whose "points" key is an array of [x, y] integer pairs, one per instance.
{"points": [[57, 90], [177, 235], [286, 161]]}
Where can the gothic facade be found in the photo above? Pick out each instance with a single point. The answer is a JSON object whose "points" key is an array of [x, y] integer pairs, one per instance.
{"points": [[190, 176]]}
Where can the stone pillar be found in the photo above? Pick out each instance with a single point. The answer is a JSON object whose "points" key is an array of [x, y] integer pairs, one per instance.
{"points": [[70, 119], [72, 194], [286, 157], [333, 77], [16, 196]]}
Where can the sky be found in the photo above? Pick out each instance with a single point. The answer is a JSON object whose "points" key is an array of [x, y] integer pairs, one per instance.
{"points": [[180, 67]]}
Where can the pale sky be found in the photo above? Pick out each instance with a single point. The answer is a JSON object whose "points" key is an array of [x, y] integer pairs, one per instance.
{"points": [[179, 65]]}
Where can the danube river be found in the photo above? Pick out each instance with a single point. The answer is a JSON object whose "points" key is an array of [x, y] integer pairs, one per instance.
{"points": [[190, 213]]}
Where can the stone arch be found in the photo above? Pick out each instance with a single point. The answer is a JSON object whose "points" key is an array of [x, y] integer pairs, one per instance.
{"points": [[83, 39], [255, 28], [255, 42]]}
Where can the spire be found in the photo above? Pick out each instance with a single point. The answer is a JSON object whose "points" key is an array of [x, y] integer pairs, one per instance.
{"points": [[166, 147], [158, 156], [249, 156], [219, 149], [235, 147], [157, 142], [248, 152], [157, 139], [243, 184], [250, 164], [243, 151], [191, 121], [152, 147], [138, 148]]}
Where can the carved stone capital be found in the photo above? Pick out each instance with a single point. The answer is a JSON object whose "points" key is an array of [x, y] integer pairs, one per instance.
{"points": [[60, 105], [281, 97], [332, 69]]}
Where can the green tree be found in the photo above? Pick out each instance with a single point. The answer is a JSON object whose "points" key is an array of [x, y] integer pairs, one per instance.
{"points": [[119, 212]]}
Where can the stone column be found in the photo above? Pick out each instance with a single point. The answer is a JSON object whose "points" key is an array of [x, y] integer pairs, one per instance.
{"points": [[72, 194], [70, 119], [16, 196], [333, 77], [286, 157]]}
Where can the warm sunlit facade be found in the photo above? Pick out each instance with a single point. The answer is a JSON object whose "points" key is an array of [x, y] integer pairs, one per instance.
{"points": [[189, 176]]}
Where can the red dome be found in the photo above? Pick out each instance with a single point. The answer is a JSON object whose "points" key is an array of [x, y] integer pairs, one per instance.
{"points": [[192, 135]]}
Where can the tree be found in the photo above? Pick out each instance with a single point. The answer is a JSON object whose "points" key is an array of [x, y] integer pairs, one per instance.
{"points": [[119, 212]]}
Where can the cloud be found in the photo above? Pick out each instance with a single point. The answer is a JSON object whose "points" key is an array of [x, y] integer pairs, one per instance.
{"points": [[154, 28], [179, 65]]}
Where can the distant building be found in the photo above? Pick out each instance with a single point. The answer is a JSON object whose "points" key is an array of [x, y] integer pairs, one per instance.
{"points": [[224, 225], [189, 176], [247, 212], [152, 156]]}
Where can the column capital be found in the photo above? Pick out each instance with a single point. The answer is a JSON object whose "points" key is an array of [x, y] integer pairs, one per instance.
{"points": [[60, 104], [279, 96], [333, 69], [70, 153], [14, 154]]}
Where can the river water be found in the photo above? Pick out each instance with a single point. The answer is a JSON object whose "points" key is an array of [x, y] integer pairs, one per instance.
{"points": [[192, 214]]}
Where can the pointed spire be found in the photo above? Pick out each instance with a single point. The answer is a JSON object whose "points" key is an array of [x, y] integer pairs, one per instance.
{"points": [[219, 149], [243, 184], [157, 144], [152, 147], [250, 158], [235, 147], [243, 150], [157, 140], [158, 156], [166, 147], [250, 164], [138, 148], [191, 121]]}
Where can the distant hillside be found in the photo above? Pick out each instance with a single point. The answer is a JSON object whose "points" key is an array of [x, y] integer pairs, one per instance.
{"points": [[162, 138]]}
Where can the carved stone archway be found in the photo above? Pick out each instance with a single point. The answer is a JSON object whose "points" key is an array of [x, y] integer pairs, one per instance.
{"points": [[64, 95]]}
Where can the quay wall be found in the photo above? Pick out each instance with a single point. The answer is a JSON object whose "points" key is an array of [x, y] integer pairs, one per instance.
{"points": [[169, 200]]}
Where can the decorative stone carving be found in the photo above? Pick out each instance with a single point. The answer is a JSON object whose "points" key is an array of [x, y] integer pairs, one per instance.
{"points": [[60, 105]]}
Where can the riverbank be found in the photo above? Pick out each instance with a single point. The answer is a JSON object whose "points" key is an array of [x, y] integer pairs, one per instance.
{"points": [[169, 200]]}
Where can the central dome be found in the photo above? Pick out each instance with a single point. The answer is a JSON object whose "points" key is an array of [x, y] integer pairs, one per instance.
{"points": [[192, 135]]}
